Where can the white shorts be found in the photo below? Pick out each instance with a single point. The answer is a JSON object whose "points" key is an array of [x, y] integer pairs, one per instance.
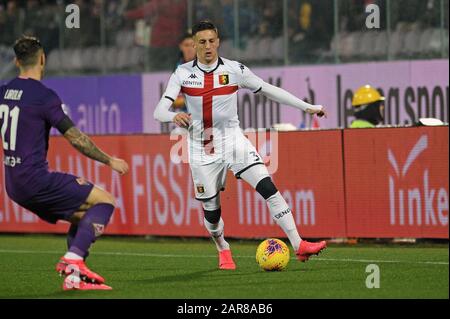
{"points": [[209, 179]]}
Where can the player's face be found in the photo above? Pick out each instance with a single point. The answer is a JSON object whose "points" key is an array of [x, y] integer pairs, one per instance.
{"points": [[206, 45], [187, 49]]}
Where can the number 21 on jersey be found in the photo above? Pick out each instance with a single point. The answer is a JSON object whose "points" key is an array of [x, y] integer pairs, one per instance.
{"points": [[5, 115]]}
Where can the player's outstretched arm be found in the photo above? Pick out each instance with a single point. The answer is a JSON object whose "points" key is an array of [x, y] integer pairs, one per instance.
{"points": [[284, 97], [87, 147]]}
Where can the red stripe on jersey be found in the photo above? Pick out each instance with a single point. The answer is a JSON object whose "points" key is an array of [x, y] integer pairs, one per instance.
{"points": [[208, 91], [226, 90], [207, 114]]}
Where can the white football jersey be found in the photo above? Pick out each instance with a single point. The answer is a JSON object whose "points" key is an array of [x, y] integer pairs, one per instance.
{"points": [[211, 99]]}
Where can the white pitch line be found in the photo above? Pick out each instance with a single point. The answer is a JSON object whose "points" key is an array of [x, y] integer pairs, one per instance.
{"points": [[385, 261], [12, 251]]}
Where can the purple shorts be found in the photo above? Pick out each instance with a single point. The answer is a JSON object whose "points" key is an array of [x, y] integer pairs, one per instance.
{"points": [[63, 197]]}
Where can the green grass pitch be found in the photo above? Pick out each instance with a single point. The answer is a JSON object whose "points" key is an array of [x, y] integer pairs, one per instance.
{"points": [[177, 268]]}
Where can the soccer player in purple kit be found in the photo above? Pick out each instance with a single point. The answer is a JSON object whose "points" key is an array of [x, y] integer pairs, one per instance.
{"points": [[28, 110]]}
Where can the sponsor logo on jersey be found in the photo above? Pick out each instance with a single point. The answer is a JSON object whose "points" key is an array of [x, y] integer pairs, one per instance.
{"points": [[224, 79], [200, 188], [192, 83]]}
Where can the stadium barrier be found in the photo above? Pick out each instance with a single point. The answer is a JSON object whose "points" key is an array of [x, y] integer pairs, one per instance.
{"points": [[396, 182], [339, 183]]}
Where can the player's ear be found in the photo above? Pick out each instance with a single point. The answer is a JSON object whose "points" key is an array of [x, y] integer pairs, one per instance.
{"points": [[195, 42], [42, 59], [16, 62]]}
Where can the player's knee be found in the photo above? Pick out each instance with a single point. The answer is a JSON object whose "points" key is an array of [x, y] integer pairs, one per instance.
{"points": [[213, 216], [212, 210], [211, 204], [76, 217], [107, 198], [266, 187]]}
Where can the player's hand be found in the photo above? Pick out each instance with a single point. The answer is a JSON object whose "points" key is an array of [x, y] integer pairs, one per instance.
{"points": [[182, 119], [119, 165], [320, 111]]}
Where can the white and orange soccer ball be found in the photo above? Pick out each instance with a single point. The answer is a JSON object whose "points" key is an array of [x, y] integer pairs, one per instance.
{"points": [[272, 255]]}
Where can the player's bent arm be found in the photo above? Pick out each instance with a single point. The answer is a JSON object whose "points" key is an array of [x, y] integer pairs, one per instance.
{"points": [[284, 97], [86, 146], [162, 112]]}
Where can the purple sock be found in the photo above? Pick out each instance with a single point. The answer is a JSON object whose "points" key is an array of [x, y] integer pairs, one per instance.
{"points": [[71, 235], [90, 227]]}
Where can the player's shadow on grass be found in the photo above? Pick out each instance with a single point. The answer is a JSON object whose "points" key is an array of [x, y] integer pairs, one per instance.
{"points": [[186, 277]]}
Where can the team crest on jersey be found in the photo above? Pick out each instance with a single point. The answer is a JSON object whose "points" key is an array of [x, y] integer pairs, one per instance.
{"points": [[200, 188], [224, 79], [98, 229]]}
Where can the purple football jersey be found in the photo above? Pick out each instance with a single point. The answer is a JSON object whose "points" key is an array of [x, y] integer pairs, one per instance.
{"points": [[28, 110]]}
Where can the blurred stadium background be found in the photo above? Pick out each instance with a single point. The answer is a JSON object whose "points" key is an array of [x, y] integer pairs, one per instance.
{"points": [[112, 71], [137, 35]]}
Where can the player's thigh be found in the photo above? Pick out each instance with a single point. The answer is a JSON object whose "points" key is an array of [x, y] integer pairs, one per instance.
{"points": [[97, 196], [247, 163], [208, 179]]}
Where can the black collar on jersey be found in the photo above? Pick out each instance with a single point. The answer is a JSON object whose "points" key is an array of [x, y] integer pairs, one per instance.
{"points": [[219, 62]]}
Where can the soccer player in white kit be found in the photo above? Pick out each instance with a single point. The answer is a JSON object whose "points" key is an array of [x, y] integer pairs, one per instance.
{"points": [[216, 142]]}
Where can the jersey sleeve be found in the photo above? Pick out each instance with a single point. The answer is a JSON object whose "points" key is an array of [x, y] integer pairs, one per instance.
{"points": [[53, 109], [173, 87], [247, 79]]}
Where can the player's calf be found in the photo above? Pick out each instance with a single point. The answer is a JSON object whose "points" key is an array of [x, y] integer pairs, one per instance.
{"points": [[215, 226], [279, 209], [89, 228]]}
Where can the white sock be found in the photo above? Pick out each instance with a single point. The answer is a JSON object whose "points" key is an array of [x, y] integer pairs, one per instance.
{"points": [[74, 256], [282, 214], [216, 232]]}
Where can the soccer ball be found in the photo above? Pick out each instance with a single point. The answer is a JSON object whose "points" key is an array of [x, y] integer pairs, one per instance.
{"points": [[272, 255]]}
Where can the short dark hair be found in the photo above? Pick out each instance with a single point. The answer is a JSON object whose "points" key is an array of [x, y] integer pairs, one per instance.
{"points": [[187, 35], [204, 25], [26, 49]]}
